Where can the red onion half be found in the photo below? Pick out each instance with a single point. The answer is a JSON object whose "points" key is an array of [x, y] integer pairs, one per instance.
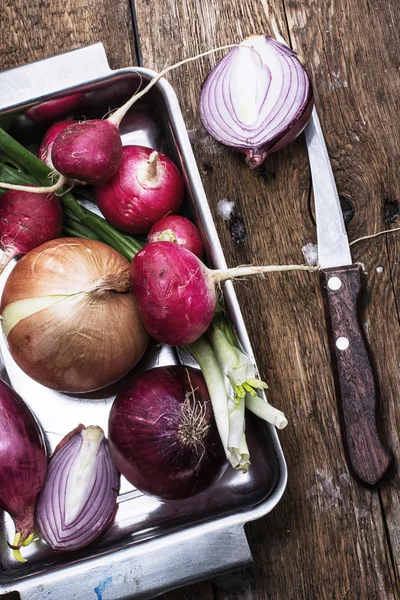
{"points": [[257, 101], [163, 435], [23, 463], [78, 500]]}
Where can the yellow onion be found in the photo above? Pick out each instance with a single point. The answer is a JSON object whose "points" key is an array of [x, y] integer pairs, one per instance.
{"points": [[70, 320]]}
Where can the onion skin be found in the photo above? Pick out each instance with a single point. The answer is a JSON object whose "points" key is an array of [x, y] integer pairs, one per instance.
{"points": [[54, 109], [88, 340], [142, 191], [23, 461], [239, 86], [27, 220], [176, 298], [89, 151], [146, 425], [178, 230], [96, 508], [46, 145]]}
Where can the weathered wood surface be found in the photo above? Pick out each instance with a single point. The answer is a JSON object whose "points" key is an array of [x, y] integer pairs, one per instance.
{"points": [[329, 537]]}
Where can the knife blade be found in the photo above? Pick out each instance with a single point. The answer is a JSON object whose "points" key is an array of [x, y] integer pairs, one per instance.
{"points": [[358, 398]]}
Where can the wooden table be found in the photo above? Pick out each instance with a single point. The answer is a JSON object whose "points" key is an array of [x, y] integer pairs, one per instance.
{"points": [[329, 537]]}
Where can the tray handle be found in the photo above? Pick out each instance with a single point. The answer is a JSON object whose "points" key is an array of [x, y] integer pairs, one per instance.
{"points": [[147, 569], [30, 83]]}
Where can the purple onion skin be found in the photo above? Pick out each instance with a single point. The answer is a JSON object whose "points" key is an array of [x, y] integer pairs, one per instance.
{"points": [[23, 461], [147, 427], [89, 151], [257, 153], [98, 508]]}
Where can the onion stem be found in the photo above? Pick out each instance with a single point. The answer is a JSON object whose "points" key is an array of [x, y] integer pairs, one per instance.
{"points": [[25, 159], [77, 230], [127, 245], [10, 174], [236, 431], [225, 274], [237, 366], [16, 548], [266, 411], [35, 189], [204, 354]]}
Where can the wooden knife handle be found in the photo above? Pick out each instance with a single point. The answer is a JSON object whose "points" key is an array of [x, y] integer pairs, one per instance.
{"points": [[367, 455]]}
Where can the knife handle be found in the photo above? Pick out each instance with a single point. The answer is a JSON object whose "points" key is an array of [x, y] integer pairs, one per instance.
{"points": [[358, 391]]}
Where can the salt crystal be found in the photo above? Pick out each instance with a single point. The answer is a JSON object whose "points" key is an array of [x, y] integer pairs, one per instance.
{"points": [[310, 253], [225, 209]]}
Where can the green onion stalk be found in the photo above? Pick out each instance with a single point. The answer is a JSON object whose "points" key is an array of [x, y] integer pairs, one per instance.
{"points": [[232, 383], [28, 169]]}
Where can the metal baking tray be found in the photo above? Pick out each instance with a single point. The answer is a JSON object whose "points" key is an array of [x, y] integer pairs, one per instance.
{"points": [[151, 546]]}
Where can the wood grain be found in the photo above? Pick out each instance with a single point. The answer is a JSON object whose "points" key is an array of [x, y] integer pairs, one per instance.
{"points": [[328, 537], [40, 28]]}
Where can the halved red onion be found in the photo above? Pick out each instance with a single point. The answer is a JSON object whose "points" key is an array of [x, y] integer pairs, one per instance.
{"points": [[78, 499], [257, 99]]}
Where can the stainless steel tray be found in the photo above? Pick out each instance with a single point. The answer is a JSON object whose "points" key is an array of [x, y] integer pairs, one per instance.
{"points": [[152, 546]]}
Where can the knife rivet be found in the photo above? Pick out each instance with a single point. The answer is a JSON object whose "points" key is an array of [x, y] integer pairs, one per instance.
{"points": [[342, 343], [334, 283]]}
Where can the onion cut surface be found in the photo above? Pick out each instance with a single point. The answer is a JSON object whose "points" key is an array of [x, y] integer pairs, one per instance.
{"points": [[78, 500], [257, 99]]}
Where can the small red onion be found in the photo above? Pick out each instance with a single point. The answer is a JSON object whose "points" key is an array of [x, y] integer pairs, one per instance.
{"points": [[146, 187], [27, 220], [23, 463], [257, 101], [46, 145], [163, 435], [78, 500], [179, 230], [54, 109], [89, 151]]}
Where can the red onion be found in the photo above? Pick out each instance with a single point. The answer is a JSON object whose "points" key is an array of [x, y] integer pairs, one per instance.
{"points": [[89, 151], [78, 500], [27, 220], [174, 296], [163, 435], [45, 148], [179, 230], [146, 187], [175, 291], [54, 109], [23, 463], [257, 101]]}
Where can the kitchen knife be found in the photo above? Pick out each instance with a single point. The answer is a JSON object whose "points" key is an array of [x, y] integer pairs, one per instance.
{"points": [[341, 280]]}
